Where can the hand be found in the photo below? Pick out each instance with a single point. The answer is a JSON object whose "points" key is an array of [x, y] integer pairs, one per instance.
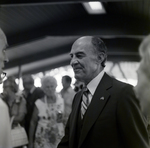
{"points": [[59, 117]]}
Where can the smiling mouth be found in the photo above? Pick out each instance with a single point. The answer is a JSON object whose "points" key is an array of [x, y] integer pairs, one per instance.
{"points": [[77, 69]]}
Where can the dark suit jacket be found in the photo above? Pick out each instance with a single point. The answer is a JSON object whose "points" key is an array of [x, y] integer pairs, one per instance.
{"points": [[30, 99], [113, 122]]}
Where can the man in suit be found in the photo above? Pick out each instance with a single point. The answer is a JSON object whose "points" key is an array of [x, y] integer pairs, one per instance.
{"points": [[31, 94], [113, 118]]}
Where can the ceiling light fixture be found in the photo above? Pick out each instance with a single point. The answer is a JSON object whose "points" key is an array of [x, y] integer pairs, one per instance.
{"points": [[94, 7]]}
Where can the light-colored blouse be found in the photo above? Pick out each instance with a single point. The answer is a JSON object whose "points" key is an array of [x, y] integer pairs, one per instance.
{"points": [[49, 130]]}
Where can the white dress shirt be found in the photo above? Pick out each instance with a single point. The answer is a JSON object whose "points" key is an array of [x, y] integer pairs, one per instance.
{"points": [[92, 85]]}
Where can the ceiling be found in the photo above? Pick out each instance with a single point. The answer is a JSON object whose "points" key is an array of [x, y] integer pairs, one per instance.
{"points": [[40, 33]]}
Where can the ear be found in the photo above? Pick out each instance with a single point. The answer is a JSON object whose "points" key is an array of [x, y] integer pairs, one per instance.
{"points": [[101, 57]]}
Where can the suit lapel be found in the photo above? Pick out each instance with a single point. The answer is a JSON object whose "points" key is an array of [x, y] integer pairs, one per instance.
{"points": [[99, 100], [74, 117]]}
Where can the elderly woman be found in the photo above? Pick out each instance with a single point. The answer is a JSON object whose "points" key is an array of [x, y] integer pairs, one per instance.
{"points": [[46, 128]]}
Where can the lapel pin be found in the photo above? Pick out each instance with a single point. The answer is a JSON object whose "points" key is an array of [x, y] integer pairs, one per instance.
{"points": [[102, 98]]}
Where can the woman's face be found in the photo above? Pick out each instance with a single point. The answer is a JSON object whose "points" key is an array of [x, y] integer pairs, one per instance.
{"points": [[49, 89]]}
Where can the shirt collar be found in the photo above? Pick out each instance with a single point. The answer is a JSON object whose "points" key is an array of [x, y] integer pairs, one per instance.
{"points": [[94, 82]]}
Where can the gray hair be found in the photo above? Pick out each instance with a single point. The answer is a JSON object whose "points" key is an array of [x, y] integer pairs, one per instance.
{"points": [[144, 51], [100, 48], [49, 79]]}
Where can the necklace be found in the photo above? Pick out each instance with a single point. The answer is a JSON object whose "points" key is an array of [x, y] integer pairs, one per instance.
{"points": [[49, 116], [47, 109]]}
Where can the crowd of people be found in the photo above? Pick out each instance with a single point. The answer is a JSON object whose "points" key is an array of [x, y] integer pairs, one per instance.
{"points": [[40, 110], [99, 111]]}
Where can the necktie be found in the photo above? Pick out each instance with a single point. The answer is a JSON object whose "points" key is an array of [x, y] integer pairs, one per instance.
{"points": [[85, 102]]}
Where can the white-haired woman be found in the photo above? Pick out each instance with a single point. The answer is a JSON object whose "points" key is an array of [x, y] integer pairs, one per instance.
{"points": [[46, 128]]}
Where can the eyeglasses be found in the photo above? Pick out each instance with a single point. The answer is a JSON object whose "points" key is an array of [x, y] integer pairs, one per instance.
{"points": [[3, 75]]}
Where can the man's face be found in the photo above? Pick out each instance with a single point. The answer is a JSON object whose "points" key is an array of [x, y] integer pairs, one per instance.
{"points": [[27, 84], [84, 60], [3, 57], [65, 84]]}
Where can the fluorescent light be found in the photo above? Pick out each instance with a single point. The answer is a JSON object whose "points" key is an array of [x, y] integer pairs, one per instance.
{"points": [[94, 7]]}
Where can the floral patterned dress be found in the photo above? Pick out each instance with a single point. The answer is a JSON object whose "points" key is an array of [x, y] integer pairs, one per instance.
{"points": [[49, 131]]}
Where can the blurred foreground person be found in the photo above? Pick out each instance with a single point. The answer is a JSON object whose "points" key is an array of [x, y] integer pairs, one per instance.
{"points": [[142, 88], [67, 94], [106, 113], [5, 131], [31, 94], [47, 117]]}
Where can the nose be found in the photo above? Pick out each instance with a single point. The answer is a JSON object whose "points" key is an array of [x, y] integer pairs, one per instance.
{"points": [[6, 58], [73, 61]]}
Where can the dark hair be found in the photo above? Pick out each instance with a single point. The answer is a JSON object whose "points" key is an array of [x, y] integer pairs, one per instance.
{"points": [[67, 78], [100, 48], [13, 84], [28, 78]]}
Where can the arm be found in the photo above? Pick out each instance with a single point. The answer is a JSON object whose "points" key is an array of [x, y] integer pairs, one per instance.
{"points": [[21, 111], [64, 143], [60, 109], [33, 124], [131, 122]]}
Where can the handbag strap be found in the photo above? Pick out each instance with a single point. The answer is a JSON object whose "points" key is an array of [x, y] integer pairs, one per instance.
{"points": [[11, 121], [12, 118]]}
